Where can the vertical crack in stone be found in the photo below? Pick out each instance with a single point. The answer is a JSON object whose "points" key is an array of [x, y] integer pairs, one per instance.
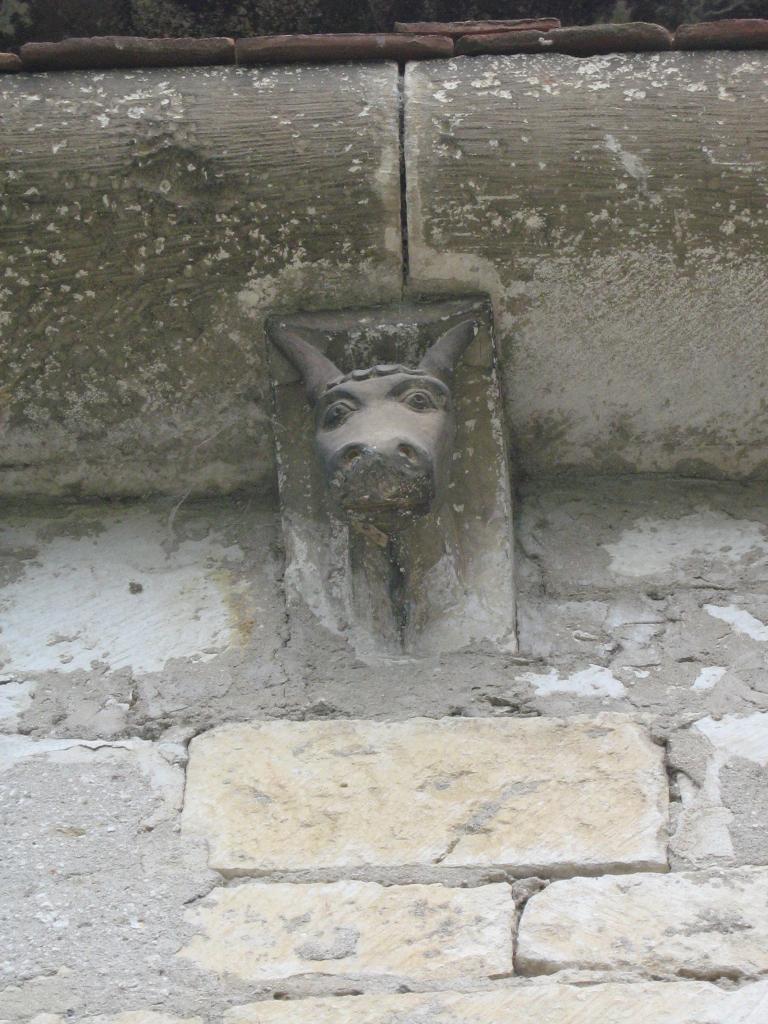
{"points": [[403, 175], [398, 590]]}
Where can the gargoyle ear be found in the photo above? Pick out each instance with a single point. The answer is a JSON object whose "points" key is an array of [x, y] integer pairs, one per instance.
{"points": [[442, 358], [315, 368]]}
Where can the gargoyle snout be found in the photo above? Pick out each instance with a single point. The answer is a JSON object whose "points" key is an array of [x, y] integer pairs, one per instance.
{"points": [[399, 454]]}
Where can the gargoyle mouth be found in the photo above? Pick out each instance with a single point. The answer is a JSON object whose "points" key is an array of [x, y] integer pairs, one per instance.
{"points": [[376, 490]]}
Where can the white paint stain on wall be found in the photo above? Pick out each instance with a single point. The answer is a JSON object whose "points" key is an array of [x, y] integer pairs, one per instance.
{"points": [[735, 736], [631, 162], [741, 621], [15, 697], [594, 681], [708, 677], [122, 596], [654, 546]]}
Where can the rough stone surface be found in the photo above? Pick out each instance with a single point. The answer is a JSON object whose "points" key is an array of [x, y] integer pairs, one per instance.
{"points": [[731, 34], [681, 1003], [414, 935], [583, 194], [658, 535], [96, 404], [126, 52], [146, 236], [178, 610], [617, 583], [329, 797], [129, 627], [711, 926], [635, 594], [617, 586], [360, 46], [94, 877], [720, 769]]}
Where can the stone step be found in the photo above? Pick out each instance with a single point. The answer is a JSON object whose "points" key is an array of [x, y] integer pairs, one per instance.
{"points": [[411, 801], [701, 924], [414, 935], [642, 1003]]}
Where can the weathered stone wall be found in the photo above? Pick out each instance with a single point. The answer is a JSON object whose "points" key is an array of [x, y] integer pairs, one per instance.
{"points": [[151, 220], [329, 836], [613, 208], [211, 812]]}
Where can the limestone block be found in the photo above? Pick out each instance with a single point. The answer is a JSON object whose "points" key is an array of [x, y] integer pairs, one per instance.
{"points": [[131, 1017], [409, 935], [614, 209], [535, 796], [151, 218], [707, 925], [143, 1017], [678, 1003]]}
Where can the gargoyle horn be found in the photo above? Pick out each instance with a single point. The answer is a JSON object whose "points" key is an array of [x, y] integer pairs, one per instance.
{"points": [[315, 368], [442, 358]]}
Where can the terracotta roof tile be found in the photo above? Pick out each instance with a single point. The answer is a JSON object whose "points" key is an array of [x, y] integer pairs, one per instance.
{"points": [[10, 62], [581, 41], [504, 42], [126, 52], [346, 46], [411, 41], [456, 29], [734, 34], [631, 37]]}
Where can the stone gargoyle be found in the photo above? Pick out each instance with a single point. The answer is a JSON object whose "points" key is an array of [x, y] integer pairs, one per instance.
{"points": [[385, 434]]}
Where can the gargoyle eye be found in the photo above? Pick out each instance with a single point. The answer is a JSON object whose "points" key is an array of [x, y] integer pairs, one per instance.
{"points": [[419, 401], [336, 414]]}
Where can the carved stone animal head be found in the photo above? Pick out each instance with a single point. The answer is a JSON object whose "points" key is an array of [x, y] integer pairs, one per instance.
{"points": [[384, 434]]}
